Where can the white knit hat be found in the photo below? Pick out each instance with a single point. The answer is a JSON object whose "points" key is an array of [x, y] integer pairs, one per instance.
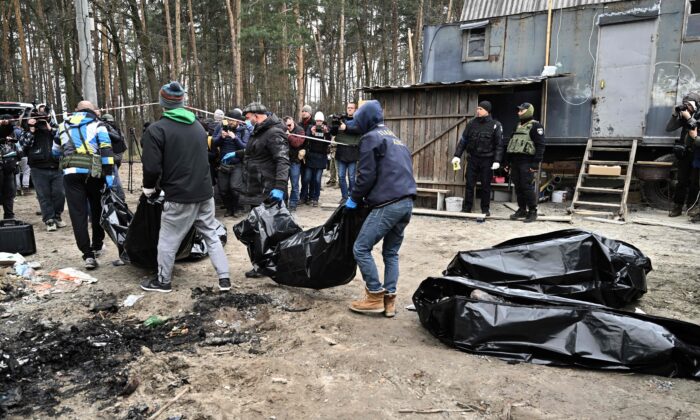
{"points": [[319, 116], [218, 115]]}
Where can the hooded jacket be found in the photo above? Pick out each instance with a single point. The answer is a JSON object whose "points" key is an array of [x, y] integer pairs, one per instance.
{"points": [[385, 168], [84, 134], [175, 151], [265, 161]]}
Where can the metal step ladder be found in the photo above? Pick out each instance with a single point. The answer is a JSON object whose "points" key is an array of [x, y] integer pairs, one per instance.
{"points": [[584, 187]]}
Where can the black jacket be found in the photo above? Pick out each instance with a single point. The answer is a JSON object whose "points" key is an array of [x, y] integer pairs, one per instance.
{"points": [[265, 161], [296, 143], [482, 138], [317, 150], [348, 149], [38, 150], [385, 170], [176, 153], [537, 136]]}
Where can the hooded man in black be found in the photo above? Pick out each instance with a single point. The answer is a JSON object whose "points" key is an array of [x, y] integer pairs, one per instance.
{"points": [[482, 139]]}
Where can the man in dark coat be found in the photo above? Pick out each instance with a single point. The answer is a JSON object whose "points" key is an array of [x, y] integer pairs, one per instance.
{"points": [[265, 160], [482, 140]]}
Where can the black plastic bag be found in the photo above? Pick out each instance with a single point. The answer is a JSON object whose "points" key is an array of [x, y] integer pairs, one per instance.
{"points": [[321, 257], [115, 218], [141, 243], [199, 246], [265, 226], [527, 326], [573, 263]]}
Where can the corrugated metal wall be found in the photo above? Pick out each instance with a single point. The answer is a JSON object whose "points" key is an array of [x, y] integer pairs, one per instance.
{"points": [[483, 9]]}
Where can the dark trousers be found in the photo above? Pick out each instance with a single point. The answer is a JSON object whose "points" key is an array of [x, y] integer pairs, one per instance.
{"points": [[82, 189], [478, 169], [49, 192], [230, 182], [687, 187], [523, 181], [304, 195], [8, 191]]}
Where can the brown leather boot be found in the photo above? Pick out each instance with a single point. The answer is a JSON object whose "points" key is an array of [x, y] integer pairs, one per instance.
{"points": [[390, 305], [370, 303]]}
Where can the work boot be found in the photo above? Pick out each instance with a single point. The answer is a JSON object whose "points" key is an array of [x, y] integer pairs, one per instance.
{"points": [[390, 305], [372, 302], [519, 214], [676, 210], [531, 216]]}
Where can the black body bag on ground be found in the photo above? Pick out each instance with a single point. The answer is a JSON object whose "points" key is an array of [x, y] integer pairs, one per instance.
{"points": [[141, 244], [525, 326], [572, 263], [321, 257], [265, 226], [115, 219]]}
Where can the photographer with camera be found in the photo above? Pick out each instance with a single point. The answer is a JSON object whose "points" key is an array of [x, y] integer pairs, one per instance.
{"points": [[9, 156], [232, 138], [348, 150], [685, 116], [317, 157]]}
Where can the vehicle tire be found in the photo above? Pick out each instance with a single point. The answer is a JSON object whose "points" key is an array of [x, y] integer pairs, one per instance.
{"points": [[659, 194]]}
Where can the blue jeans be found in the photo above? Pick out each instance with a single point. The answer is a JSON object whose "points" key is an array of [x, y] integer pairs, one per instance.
{"points": [[48, 184], [388, 223], [313, 179], [294, 175], [343, 168]]}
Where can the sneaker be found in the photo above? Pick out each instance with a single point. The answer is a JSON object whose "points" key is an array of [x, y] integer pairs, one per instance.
{"points": [[60, 223], [519, 214], [253, 274], [531, 216], [224, 284], [155, 285], [314, 203], [98, 252], [50, 226], [90, 263]]}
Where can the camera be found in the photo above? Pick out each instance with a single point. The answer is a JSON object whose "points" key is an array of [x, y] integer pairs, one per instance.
{"points": [[337, 119], [681, 107]]}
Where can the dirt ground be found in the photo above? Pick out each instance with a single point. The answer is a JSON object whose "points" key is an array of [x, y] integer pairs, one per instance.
{"points": [[303, 354]]}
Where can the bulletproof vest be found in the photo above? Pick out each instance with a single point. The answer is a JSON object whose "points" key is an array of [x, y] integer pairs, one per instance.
{"points": [[521, 143], [481, 137]]}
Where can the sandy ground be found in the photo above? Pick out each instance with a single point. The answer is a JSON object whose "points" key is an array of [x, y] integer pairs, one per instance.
{"points": [[326, 362]]}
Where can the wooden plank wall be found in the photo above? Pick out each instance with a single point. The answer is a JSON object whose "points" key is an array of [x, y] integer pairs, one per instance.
{"points": [[417, 117]]}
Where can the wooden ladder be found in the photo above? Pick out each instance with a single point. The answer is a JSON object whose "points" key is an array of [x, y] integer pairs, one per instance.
{"points": [[628, 147]]}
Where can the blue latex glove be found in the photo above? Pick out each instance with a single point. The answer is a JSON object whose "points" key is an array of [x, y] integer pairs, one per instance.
{"points": [[276, 195], [228, 157], [350, 204], [109, 180]]}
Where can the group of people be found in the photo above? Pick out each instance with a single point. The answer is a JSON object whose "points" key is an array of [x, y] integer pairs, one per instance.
{"points": [[486, 149], [175, 157]]}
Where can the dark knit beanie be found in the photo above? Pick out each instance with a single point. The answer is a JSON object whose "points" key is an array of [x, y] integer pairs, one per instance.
{"points": [[486, 105], [172, 95]]}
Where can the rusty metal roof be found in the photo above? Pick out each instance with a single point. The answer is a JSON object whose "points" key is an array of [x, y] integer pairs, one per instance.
{"points": [[525, 80], [483, 9]]}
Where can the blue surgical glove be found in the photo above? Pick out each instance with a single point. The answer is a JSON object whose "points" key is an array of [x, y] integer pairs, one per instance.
{"points": [[228, 157], [109, 180], [276, 195], [350, 204]]}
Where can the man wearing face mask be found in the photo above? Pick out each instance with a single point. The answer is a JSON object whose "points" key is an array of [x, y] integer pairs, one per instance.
{"points": [[482, 139], [48, 178], [265, 160], [685, 117], [524, 152]]}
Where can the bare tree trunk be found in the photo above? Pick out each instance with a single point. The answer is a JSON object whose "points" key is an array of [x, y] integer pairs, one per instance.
{"points": [[178, 44], [106, 76], [342, 82], [146, 54], [394, 41], [284, 64], [27, 90], [321, 66], [238, 72], [419, 40], [168, 29], [193, 42], [234, 47], [301, 90], [6, 70]]}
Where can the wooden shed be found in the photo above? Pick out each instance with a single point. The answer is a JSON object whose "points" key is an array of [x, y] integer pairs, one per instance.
{"points": [[430, 118]]}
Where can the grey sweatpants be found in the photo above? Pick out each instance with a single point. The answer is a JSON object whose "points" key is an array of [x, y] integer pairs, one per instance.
{"points": [[175, 221]]}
